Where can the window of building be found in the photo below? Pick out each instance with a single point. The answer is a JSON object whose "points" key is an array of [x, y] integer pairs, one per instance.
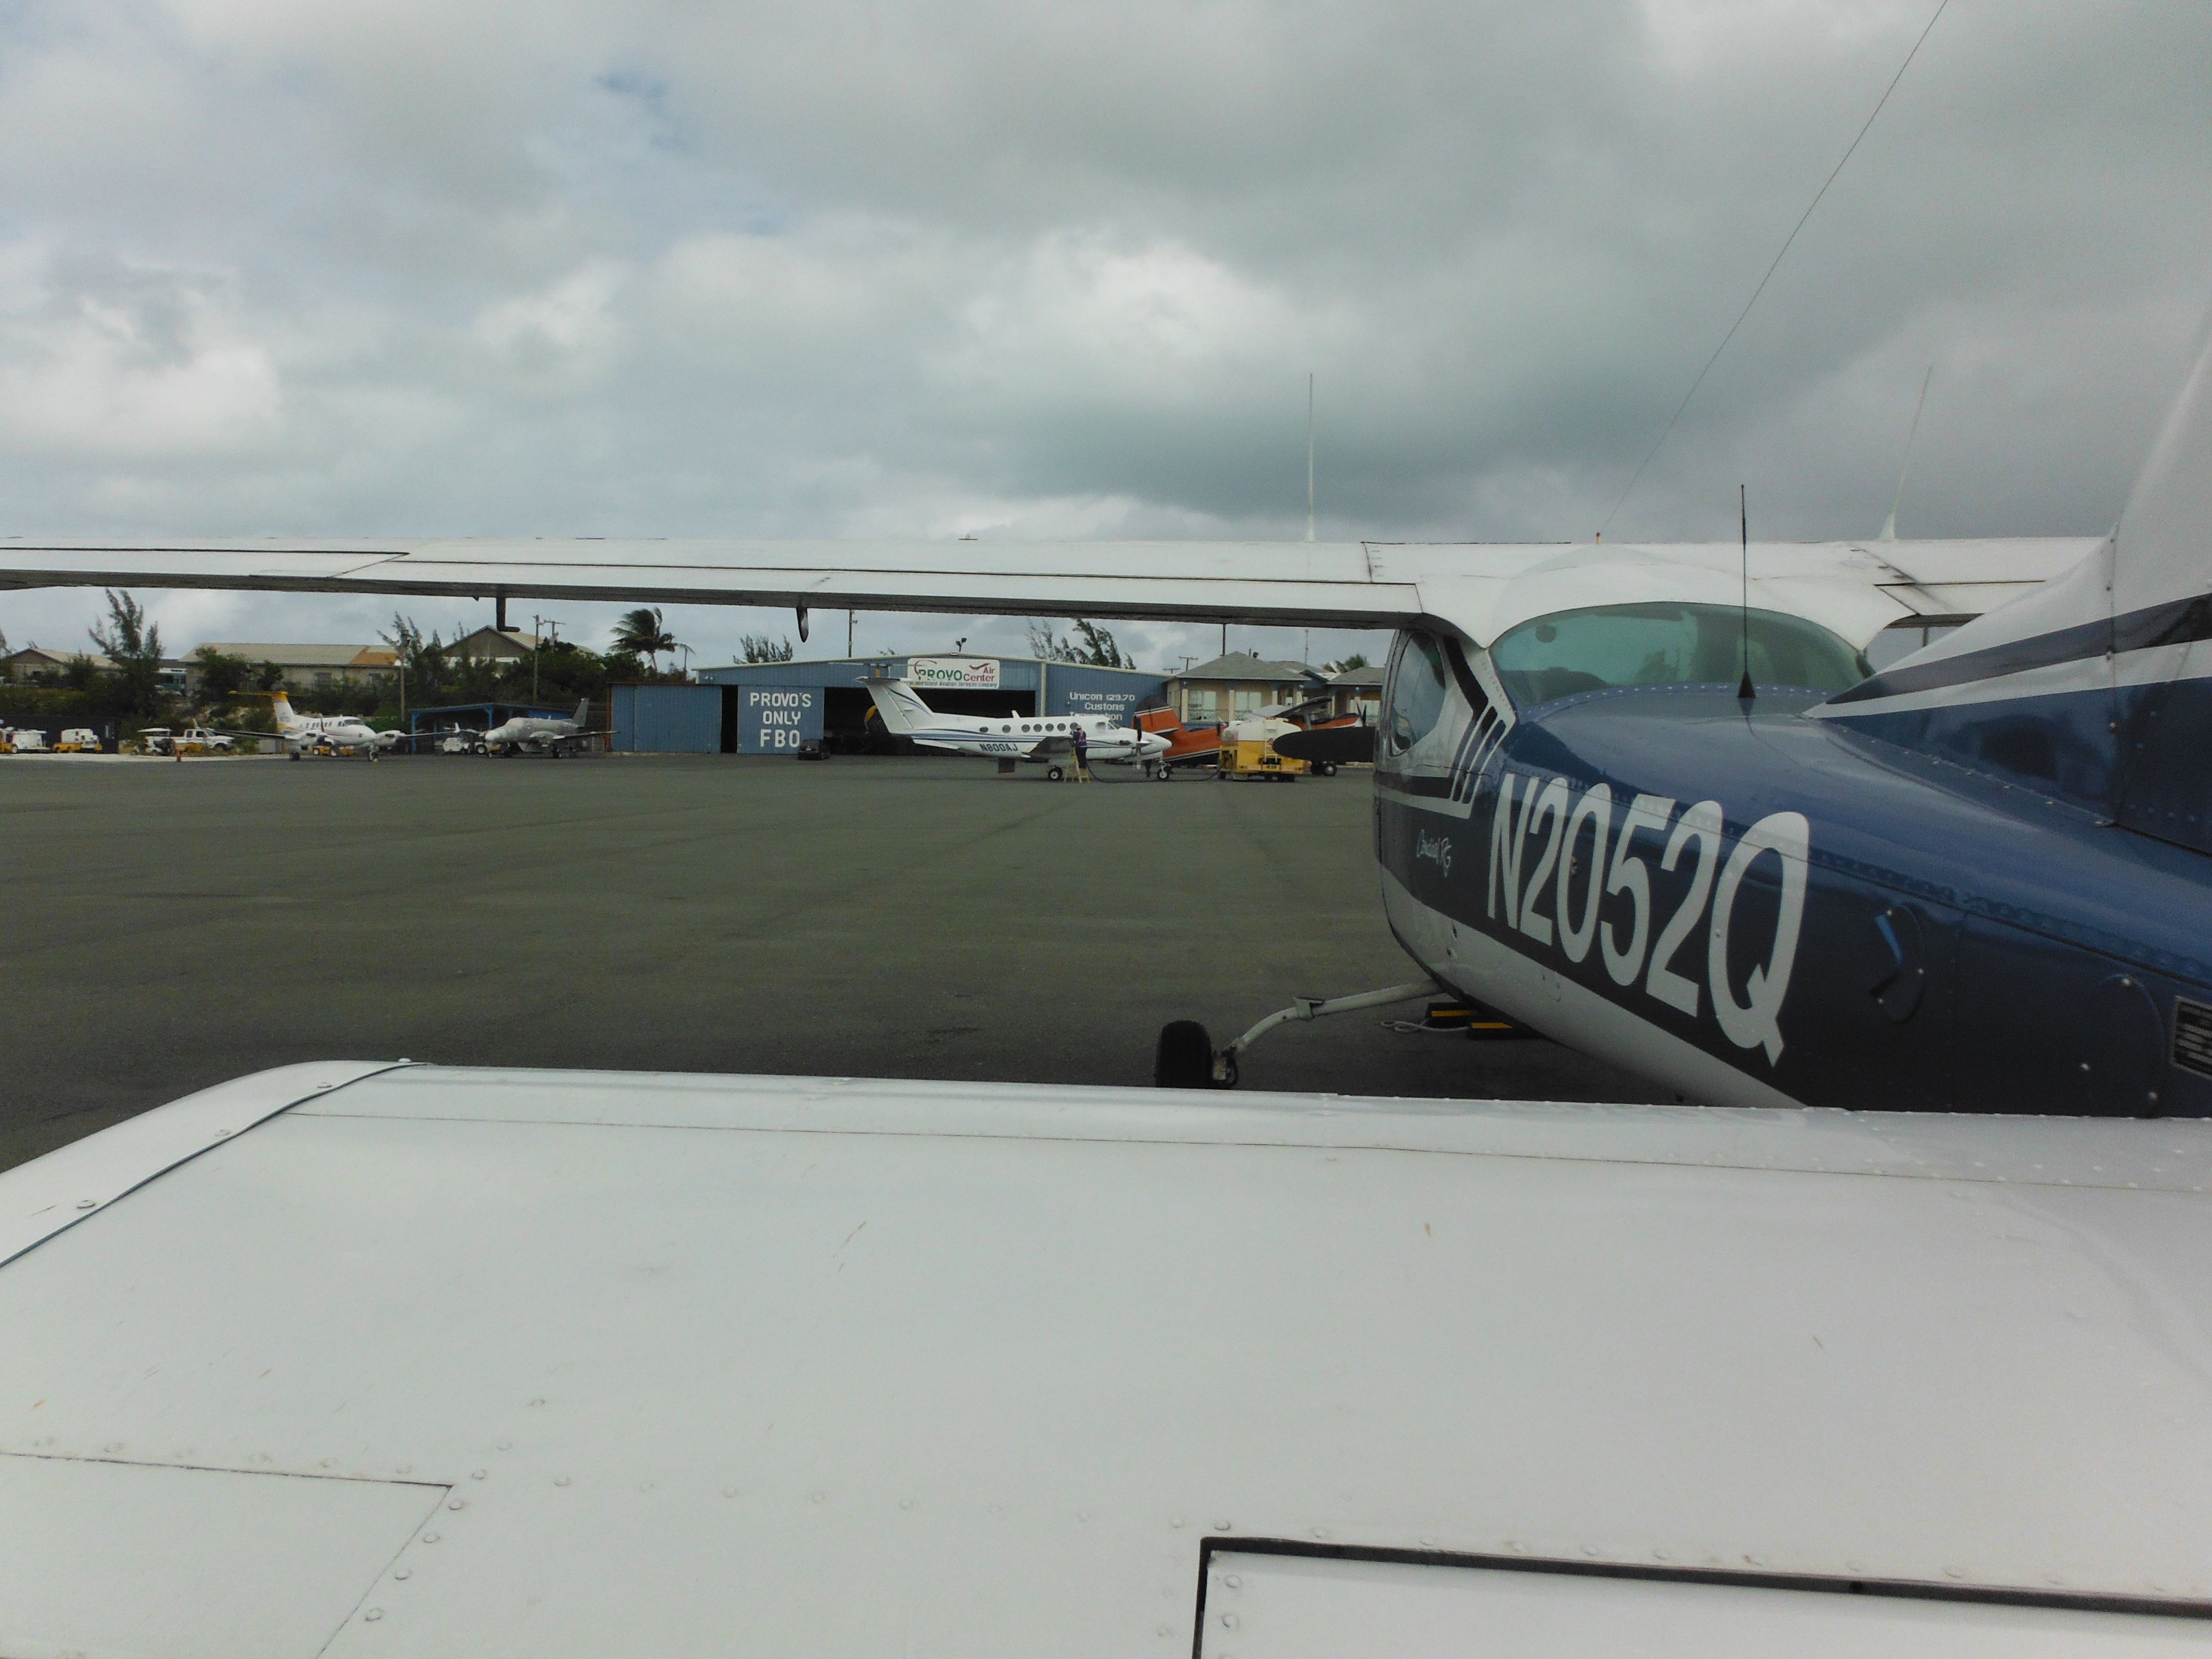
{"points": [[1201, 703], [1249, 699]]}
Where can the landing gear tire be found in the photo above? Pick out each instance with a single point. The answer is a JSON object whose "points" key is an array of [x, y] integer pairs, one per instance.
{"points": [[1184, 1058], [1054, 773], [1326, 769], [1162, 775]]}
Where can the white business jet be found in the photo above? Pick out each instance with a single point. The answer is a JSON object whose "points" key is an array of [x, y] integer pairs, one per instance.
{"points": [[1010, 737]]}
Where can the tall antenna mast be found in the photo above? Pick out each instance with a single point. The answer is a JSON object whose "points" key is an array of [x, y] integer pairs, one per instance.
{"points": [[1309, 457], [1889, 524], [1743, 690]]}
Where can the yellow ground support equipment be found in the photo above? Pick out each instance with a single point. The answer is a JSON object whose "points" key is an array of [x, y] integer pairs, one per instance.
{"points": [[1244, 759]]}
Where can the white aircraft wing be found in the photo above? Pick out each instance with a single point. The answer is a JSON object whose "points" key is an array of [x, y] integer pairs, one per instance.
{"points": [[1479, 589], [362, 1360]]}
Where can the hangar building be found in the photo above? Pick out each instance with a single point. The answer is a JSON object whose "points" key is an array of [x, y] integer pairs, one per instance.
{"points": [[771, 707]]}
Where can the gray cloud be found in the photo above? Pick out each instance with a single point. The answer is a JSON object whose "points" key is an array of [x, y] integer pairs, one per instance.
{"points": [[1004, 270]]}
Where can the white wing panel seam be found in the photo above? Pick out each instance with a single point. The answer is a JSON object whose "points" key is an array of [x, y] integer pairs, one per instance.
{"points": [[50, 1194]]}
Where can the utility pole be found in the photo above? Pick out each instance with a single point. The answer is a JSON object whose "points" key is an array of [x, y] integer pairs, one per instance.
{"points": [[848, 634], [1309, 457], [536, 623]]}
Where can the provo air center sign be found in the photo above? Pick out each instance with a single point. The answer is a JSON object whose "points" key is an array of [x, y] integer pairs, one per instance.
{"points": [[960, 673]]}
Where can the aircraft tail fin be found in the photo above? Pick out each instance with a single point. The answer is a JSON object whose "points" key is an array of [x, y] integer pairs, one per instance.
{"points": [[280, 709], [899, 705], [2096, 689], [583, 716]]}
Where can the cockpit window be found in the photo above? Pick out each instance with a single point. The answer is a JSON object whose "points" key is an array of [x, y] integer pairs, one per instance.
{"points": [[1418, 676], [1625, 645]]}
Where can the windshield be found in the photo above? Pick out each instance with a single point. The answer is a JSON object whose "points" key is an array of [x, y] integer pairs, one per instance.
{"points": [[1622, 645]]}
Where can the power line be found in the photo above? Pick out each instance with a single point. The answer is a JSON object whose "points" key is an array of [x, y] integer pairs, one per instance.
{"points": [[1769, 277]]}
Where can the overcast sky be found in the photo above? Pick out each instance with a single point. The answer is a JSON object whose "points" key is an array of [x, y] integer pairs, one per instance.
{"points": [[371, 267]]}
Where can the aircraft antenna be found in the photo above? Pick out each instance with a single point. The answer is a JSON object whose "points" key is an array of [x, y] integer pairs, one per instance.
{"points": [[1889, 524], [1309, 457], [1743, 690], [1637, 477]]}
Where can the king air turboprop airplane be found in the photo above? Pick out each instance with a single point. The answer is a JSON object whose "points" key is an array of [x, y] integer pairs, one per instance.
{"points": [[327, 734], [385, 1359], [1010, 737]]}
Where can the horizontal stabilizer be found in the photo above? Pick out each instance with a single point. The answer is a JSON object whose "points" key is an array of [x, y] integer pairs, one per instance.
{"points": [[1337, 746]]}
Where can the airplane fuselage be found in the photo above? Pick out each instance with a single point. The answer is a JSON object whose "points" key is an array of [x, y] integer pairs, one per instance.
{"points": [[1014, 738], [1756, 908], [329, 733], [531, 733]]}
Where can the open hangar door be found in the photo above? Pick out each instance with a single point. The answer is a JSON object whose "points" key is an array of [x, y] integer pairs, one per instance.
{"points": [[849, 726]]}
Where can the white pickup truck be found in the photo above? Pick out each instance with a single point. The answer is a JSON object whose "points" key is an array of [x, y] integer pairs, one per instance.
{"points": [[194, 740]]}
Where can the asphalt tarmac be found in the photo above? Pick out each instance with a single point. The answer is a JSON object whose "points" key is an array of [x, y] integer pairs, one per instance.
{"points": [[169, 925]]}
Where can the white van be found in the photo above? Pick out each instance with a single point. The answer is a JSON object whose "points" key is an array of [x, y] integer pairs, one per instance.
{"points": [[30, 743], [78, 740]]}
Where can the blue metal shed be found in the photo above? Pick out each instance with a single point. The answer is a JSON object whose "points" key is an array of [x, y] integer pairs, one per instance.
{"points": [[668, 719]]}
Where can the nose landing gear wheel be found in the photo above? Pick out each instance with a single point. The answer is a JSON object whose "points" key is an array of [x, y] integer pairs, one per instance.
{"points": [[1184, 1058]]}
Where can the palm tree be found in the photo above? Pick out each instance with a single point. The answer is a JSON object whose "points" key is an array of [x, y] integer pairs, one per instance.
{"points": [[643, 632]]}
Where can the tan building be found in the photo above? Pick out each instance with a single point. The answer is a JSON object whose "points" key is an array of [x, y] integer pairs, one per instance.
{"points": [[1358, 691], [1228, 687], [308, 666], [492, 645], [33, 663]]}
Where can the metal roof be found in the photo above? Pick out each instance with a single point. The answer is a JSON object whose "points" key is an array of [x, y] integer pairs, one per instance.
{"points": [[1246, 666], [306, 655], [34, 655], [441, 1361], [520, 641]]}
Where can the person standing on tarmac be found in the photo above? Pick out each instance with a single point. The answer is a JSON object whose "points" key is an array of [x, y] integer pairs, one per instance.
{"points": [[1082, 742]]}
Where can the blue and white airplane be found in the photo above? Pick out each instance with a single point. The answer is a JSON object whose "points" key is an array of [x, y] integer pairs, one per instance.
{"points": [[1977, 880], [1010, 737], [1651, 800]]}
